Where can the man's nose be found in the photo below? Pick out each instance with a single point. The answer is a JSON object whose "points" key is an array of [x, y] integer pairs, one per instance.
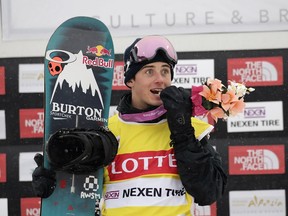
{"points": [[159, 77]]}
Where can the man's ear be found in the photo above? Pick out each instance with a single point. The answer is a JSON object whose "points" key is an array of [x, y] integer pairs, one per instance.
{"points": [[130, 83]]}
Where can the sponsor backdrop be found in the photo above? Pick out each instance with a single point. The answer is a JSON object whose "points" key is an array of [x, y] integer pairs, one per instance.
{"points": [[253, 145]]}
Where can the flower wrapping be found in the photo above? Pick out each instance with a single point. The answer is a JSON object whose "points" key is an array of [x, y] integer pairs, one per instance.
{"points": [[215, 99], [196, 98]]}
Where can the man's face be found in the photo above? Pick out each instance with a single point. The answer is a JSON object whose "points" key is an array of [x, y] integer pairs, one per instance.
{"points": [[148, 83]]}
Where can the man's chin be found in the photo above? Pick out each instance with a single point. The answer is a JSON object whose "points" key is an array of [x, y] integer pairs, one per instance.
{"points": [[156, 103]]}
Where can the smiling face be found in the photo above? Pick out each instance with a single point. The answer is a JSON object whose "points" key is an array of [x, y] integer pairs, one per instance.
{"points": [[148, 83]]}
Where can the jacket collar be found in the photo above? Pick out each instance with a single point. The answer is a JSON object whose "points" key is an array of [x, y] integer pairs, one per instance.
{"points": [[128, 113]]}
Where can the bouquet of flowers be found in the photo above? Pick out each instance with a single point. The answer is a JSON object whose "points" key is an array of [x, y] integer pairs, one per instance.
{"points": [[215, 99]]}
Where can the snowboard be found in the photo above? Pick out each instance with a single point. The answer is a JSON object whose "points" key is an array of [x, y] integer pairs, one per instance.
{"points": [[78, 72]]}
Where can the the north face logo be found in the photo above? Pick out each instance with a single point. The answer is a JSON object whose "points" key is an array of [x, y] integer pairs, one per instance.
{"points": [[256, 71]]}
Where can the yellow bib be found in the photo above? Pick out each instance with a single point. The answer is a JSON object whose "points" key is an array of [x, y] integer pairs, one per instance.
{"points": [[143, 178]]}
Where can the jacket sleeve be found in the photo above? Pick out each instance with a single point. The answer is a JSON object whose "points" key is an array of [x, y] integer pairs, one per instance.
{"points": [[200, 170]]}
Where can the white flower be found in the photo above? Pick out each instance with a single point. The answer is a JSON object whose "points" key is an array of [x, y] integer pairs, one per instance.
{"points": [[249, 90], [240, 89]]}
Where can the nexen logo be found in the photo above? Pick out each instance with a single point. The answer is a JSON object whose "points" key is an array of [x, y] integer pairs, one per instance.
{"points": [[112, 195], [254, 112], [186, 69]]}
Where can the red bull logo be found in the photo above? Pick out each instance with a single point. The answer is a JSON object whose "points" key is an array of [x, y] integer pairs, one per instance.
{"points": [[99, 50]]}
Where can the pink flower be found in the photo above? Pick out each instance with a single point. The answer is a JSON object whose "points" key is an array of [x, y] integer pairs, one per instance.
{"points": [[218, 101], [237, 107], [211, 94], [216, 113], [228, 98], [215, 85]]}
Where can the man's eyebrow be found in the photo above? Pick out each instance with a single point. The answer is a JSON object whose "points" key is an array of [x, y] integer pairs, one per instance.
{"points": [[148, 66], [152, 66]]}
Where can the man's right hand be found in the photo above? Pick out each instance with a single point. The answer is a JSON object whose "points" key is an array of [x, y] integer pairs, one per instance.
{"points": [[178, 104], [43, 180]]}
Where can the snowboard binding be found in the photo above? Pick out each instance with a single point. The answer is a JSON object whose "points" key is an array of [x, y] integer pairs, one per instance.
{"points": [[81, 151]]}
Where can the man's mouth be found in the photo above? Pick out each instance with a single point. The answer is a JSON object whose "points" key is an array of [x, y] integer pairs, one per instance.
{"points": [[156, 91]]}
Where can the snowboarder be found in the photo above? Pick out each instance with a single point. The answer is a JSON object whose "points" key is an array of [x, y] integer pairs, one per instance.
{"points": [[164, 162]]}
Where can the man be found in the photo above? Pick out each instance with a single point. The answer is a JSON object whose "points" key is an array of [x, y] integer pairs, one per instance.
{"points": [[164, 162]]}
